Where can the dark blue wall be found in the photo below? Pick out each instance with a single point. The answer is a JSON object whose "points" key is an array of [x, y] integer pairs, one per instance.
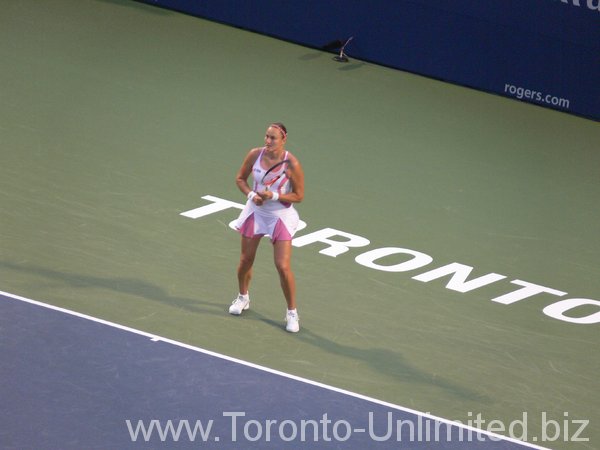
{"points": [[549, 47]]}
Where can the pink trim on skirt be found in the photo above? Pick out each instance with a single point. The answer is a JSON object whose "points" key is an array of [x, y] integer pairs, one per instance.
{"points": [[280, 231], [247, 228]]}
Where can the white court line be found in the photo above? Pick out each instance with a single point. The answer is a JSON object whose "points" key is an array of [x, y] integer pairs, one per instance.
{"points": [[155, 338]]}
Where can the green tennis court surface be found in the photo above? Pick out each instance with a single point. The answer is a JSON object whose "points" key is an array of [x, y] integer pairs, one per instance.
{"points": [[116, 117]]}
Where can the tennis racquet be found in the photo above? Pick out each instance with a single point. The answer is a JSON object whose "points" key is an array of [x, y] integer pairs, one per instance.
{"points": [[269, 178]]}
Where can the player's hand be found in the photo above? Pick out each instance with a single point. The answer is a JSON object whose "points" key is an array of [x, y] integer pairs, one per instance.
{"points": [[258, 199], [265, 195]]}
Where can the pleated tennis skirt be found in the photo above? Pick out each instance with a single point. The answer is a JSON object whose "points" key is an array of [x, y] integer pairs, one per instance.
{"points": [[279, 224]]}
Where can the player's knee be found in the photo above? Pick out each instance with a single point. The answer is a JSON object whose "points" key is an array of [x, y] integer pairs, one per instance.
{"points": [[283, 267], [246, 261]]}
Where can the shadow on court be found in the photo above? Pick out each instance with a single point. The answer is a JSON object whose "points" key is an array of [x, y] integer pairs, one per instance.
{"points": [[383, 361], [386, 362], [129, 286]]}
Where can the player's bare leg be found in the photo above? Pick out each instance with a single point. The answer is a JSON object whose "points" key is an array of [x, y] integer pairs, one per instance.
{"points": [[244, 273], [283, 256]]}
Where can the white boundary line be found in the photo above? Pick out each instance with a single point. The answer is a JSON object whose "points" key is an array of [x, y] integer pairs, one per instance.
{"points": [[155, 338]]}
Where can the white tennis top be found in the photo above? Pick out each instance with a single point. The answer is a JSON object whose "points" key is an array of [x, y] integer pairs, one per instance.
{"points": [[280, 183]]}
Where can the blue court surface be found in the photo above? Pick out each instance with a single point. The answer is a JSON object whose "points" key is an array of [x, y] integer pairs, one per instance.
{"points": [[71, 381]]}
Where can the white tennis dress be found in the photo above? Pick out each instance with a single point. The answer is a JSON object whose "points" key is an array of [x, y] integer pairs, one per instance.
{"points": [[276, 219]]}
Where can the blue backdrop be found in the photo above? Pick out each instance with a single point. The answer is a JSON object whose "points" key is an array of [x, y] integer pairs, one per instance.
{"points": [[545, 52]]}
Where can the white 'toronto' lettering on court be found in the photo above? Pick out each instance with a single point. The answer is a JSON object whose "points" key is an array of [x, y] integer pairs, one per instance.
{"points": [[338, 242]]}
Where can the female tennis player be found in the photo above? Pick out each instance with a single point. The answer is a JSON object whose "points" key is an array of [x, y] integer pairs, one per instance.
{"points": [[278, 183]]}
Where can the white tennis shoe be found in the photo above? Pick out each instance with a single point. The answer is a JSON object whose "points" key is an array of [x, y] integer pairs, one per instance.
{"points": [[292, 322], [240, 304]]}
